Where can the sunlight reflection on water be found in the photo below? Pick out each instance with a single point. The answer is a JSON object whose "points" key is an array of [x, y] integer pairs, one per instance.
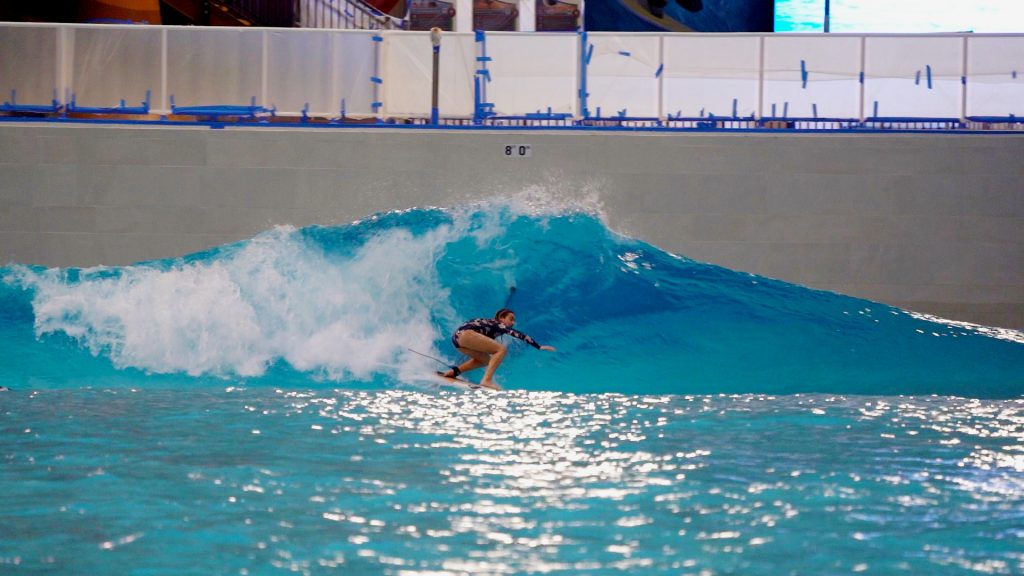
{"points": [[412, 482]]}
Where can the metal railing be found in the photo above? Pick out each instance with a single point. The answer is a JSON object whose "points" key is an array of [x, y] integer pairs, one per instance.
{"points": [[345, 15]]}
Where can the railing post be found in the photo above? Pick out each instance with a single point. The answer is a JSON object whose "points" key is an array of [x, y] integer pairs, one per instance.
{"points": [[435, 40]]}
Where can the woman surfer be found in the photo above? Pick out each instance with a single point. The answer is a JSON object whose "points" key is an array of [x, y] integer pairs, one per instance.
{"points": [[477, 339]]}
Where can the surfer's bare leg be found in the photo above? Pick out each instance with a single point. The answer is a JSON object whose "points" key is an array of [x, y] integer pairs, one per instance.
{"points": [[472, 364], [479, 347]]}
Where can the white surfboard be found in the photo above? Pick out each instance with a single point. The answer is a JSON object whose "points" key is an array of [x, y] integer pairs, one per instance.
{"points": [[459, 383]]}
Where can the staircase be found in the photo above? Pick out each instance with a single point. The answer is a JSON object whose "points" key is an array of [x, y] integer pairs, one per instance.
{"points": [[272, 13]]}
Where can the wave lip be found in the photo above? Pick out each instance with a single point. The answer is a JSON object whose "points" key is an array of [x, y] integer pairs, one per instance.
{"points": [[343, 305]]}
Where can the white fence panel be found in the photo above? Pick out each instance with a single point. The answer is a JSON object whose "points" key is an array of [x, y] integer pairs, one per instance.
{"points": [[913, 76], [408, 74], [622, 75], [355, 61], [812, 76], [111, 64], [995, 76], [532, 73], [28, 64], [215, 66], [711, 74], [300, 71]]}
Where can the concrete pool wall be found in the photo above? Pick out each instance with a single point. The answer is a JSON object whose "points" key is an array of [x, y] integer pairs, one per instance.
{"points": [[930, 222]]}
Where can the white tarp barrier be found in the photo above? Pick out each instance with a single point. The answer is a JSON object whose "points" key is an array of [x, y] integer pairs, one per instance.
{"points": [[913, 76], [995, 76], [622, 75], [533, 73], [215, 66], [725, 75], [113, 63], [711, 74], [408, 72], [812, 76], [28, 64]]}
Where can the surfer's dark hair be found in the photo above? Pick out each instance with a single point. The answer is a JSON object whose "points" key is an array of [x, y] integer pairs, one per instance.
{"points": [[502, 312]]}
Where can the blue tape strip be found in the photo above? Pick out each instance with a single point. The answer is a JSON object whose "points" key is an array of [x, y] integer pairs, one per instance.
{"points": [[928, 68], [376, 105], [483, 58], [917, 78], [803, 72], [376, 80], [378, 38], [862, 77], [624, 53], [590, 54], [657, 73], [480, 37]]}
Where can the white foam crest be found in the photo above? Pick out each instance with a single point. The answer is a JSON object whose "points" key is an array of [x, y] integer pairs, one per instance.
{"points": [[1008, 334], [556, 197], [187, 319], [275, 297]]}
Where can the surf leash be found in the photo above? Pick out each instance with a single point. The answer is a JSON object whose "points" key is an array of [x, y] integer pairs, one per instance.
{"points": [[438, 360]]}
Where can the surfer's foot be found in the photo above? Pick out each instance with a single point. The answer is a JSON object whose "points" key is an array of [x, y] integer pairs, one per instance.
{"points": [[490, 384]]}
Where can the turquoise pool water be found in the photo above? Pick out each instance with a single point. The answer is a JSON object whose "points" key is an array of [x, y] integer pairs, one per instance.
{"points": [[257, 409]]}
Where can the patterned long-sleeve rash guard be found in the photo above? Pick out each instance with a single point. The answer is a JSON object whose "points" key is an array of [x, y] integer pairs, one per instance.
{"points": [[491, 328]]}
